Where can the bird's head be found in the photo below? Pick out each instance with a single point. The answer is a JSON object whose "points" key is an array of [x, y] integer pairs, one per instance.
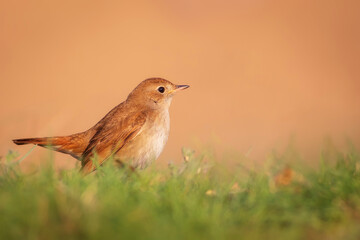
{"points": [[155, 93]]}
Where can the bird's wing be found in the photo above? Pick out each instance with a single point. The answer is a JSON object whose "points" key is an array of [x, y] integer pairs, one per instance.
{"points": [[110, 137]]}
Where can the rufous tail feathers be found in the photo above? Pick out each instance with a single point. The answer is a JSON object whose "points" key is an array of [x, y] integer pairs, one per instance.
{"points": [[73, 144], [37, 141]]}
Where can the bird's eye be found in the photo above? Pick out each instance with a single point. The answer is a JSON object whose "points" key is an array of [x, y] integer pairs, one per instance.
{"points": [[161, 89]]}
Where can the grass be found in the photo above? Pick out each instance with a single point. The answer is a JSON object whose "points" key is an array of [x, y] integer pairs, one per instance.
{"points": [[195, 200]]}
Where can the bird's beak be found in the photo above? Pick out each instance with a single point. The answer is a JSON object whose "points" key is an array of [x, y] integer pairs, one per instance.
{"points": [[181, 87], [178, 88]]}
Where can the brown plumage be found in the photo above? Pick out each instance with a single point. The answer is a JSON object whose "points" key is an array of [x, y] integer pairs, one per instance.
{"points": [[135, 131]]}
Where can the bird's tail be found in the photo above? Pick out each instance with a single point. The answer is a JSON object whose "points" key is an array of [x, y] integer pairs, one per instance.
{"points": [[37, 141], [73, 144]]}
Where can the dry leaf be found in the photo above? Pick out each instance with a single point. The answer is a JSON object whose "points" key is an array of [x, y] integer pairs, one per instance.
{"points": [[210, 192], [235, 188], [287, 176]]}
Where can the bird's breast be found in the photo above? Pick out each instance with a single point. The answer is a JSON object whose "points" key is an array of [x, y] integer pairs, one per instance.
{"points": [[150, 142]]}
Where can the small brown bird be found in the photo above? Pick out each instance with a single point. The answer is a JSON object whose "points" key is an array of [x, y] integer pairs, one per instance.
{"points": [[134, 132]]}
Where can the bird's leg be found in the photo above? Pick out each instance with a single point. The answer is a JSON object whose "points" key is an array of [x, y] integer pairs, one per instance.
{"points": [[121, 164]]}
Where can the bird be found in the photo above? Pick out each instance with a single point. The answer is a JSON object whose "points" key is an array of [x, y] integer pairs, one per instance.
{"points": [[134, 132]]}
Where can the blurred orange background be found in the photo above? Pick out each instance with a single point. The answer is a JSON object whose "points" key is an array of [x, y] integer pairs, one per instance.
{"points": [[260, 71]]}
